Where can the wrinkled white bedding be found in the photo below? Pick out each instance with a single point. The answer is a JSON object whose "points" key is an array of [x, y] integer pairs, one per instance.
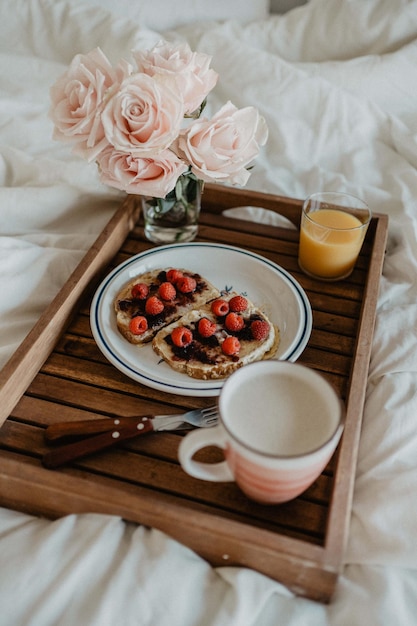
{"points": [[336, 81]]}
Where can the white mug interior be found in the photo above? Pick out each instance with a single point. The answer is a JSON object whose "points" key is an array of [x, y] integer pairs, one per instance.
{"points": [[281, 419], [279, 410]]}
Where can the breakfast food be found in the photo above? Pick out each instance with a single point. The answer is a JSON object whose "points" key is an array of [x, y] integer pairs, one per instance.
{"points": [[157, 298], [214, 340], [194, 328]]}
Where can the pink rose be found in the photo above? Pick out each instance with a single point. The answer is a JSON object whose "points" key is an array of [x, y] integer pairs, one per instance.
{"points": [[145, 176], [77, 101], [189, 70], [143, 117], [220, 149]]}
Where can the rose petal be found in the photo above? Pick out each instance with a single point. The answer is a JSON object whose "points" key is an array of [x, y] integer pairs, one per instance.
{"points": [[137, 175]]}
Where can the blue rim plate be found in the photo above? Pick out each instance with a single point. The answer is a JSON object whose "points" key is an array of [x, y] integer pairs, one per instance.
{"points": [[229, 268]]}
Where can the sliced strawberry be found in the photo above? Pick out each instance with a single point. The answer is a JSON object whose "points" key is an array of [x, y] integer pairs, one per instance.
{"points": [[138, 325], [154, 306], [181, 336]]}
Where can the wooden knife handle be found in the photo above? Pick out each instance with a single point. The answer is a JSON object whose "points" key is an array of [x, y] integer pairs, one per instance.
{"points": [[72, 451], [61, 430]]}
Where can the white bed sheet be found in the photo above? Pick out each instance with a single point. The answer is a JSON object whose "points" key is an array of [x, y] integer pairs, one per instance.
{"points": [[336, 81]]}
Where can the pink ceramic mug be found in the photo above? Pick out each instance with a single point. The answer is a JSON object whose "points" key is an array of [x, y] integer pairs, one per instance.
{"points": [[280, 423]]}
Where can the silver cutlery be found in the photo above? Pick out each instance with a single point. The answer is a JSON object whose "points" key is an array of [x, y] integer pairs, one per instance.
{"points": [[101, 434]]}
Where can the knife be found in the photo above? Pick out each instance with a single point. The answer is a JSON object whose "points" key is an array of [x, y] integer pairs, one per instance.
{"points": [[102, 434]]}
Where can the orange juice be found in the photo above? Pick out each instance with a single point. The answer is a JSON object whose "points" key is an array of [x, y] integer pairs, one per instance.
{"points": [[330, 241]]}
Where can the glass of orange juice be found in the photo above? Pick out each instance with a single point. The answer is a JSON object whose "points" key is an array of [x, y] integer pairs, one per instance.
{"points": [[333, 227]]}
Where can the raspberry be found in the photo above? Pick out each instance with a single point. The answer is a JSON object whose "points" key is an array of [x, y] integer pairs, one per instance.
{"points": [[138, 325], [181, 336], [238, 304], [206, 327], [167, 291], [231, 346], [154, 306], [140, 291], [259, 329], [220, 307], [174, 275], [186, 284], [234, 322]]}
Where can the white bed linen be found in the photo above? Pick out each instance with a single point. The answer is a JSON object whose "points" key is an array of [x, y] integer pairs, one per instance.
{"points": [[336, 81], [161, 15]]}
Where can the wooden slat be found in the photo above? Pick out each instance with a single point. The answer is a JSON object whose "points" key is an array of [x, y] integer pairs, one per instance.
{"points": [[25, 362], [26, 486], [146, 464], [59, 374]]}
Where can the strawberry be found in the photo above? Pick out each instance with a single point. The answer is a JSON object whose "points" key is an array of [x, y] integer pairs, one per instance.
{"points": [[140, 291], [167, 291], [138, 325], [234, 322], [181, 336], [259, 329], [231, 346], [220, 307], [173, 275], [154, 306], [206, 327], [186, 284], [238, 304]]}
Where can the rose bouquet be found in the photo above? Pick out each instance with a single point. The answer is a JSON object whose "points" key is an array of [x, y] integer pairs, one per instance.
{"points": [[142, 123]]}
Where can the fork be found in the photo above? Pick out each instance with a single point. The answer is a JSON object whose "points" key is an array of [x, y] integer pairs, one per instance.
{"points": [[110, 431], [201, 418]]}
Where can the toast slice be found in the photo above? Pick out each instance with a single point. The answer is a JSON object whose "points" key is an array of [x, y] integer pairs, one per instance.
{"points": [[204, 357], [132, 301]]}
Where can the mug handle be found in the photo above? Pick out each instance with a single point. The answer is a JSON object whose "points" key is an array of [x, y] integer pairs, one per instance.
{"points": [[197, 440]]}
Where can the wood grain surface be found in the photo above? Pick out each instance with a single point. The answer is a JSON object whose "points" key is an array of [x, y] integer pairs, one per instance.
{"points": [[59, 374]]}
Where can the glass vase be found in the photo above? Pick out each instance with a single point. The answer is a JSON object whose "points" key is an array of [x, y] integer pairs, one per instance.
{"points": [[174, 219]]}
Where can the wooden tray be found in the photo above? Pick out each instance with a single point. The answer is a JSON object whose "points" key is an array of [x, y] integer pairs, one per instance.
{"points": [[58, 374]]}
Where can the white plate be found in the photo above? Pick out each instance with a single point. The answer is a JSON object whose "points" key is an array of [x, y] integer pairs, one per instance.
{"points": [[229, 268]]}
